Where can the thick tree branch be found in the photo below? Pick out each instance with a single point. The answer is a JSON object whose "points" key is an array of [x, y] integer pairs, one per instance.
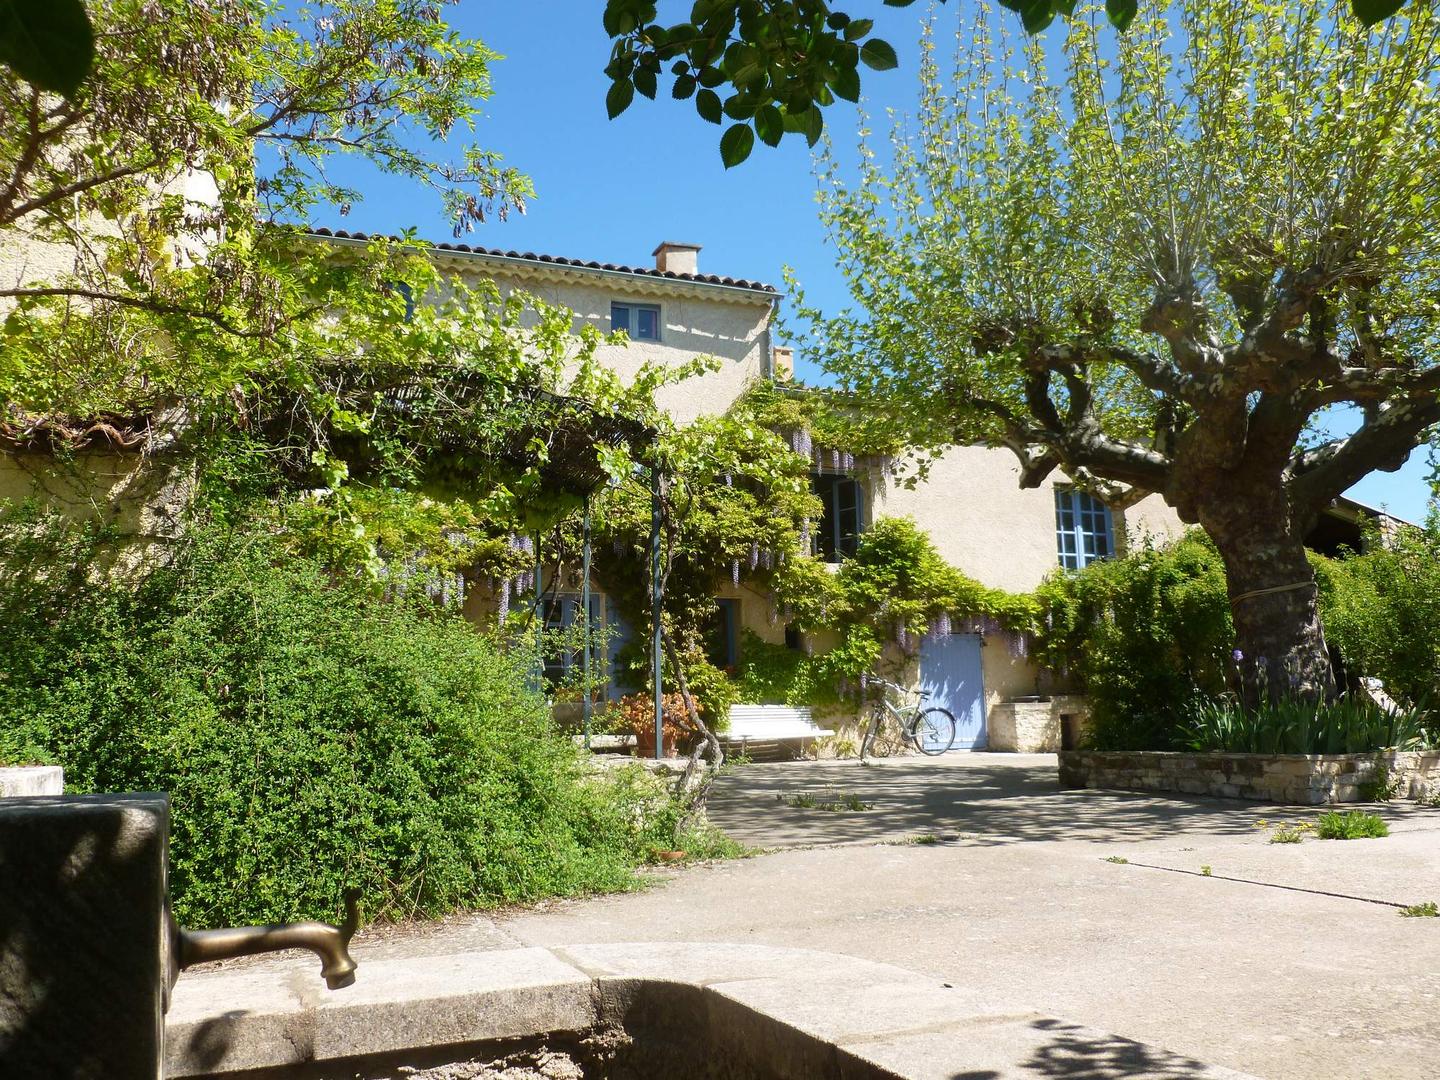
{"points": [[153, 305], [1324, 473], [40, 202]]}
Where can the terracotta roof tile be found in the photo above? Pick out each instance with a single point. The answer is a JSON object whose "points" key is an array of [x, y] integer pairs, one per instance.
{"points": [[557, 260]]}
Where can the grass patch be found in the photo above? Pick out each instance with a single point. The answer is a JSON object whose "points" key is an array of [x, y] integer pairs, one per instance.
{"points": [[1118, 860], [706, 841], [1206, 871], [1427, 910], [1351, 825], [804, 800]]}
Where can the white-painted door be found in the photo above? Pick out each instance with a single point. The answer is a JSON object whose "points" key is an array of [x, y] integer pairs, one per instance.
{"points": [[951, 674]]}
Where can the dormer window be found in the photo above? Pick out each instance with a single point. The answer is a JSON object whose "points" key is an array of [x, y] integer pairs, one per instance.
{"points": [[640, 321]]}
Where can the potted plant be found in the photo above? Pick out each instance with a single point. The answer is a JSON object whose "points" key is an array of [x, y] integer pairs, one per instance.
{"points": [[634, 714]]}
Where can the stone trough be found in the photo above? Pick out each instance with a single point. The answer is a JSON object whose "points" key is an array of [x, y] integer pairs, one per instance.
{"points": [[697, 1011]]}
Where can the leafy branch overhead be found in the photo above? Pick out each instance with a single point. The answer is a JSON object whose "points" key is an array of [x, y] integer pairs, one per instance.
{"points": [[768, 67], [808, 51]]}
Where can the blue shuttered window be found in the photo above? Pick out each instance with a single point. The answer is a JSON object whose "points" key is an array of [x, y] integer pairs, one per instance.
{"points": [[837, 533], [1084, 532]]}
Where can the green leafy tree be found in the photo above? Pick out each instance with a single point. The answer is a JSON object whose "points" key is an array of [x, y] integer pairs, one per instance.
{"points": [[50, 43], [145, 212], [771, 66], [1160, 274]]}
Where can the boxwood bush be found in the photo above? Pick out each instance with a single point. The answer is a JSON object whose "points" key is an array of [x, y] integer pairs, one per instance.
{"points": [[312, 734]]}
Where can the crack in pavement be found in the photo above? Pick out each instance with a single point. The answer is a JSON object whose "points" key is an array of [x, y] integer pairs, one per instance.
{"points": [[1268, 884]]}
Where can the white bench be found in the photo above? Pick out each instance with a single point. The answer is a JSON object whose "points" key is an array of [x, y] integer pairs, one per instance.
{"points": [[772, 723]]}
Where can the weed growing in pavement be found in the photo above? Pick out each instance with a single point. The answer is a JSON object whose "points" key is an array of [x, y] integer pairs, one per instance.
{"points": [[1351, 825], [1206, 871], [1119, 860], [1427, 910], [1286, 832]]}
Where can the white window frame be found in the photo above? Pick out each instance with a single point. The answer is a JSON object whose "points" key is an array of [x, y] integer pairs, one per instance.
{"points": [[631, 323], [1084, 528]]}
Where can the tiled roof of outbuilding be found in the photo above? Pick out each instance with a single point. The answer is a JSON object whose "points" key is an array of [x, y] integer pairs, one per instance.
{"points": [[558, 260]]}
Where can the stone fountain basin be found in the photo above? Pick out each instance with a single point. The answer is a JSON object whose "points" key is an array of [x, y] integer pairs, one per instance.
{"points": [[697, 1011]]}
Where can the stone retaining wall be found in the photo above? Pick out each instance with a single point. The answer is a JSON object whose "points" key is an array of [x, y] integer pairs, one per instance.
{"points": [[1280, 778]]}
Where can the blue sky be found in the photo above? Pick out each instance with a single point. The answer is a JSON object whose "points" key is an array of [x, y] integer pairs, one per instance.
{"points": [[612, 190]]}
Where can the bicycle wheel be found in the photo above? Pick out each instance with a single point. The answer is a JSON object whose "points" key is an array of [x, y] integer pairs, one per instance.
{"points": [[934, 731]]}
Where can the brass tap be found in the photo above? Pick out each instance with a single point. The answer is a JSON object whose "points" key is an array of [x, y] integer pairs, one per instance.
{"points": [[330, 943]]}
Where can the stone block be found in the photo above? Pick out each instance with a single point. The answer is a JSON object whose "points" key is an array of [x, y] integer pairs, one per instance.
{"points": [[81, 956], [32, 780]]}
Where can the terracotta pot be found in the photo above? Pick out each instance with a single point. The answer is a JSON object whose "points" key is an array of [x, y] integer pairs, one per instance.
{"points": [[645, 745]]}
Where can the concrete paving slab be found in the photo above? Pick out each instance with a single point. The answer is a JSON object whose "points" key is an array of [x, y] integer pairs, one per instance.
{"points": [[1290, 986], [1401, 868], [1281, 984], [789, 1010], [986, 798]]}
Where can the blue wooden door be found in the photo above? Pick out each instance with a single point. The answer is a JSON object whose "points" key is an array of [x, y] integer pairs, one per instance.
{"points": [[950, 672]]}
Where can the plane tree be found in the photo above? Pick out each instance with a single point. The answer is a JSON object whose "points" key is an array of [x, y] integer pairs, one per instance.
{"points": [[1182, 264]]}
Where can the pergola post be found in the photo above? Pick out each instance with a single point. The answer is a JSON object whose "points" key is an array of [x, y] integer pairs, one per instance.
{"points": [[539, 621], [586, 705], [655, 599]]}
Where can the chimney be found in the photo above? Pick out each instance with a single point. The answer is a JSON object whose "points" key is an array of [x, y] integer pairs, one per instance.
{"points": [[677, 258], [782, 363]]}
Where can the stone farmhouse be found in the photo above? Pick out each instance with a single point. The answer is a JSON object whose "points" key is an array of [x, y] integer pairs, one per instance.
{"points": [[970, 503]]}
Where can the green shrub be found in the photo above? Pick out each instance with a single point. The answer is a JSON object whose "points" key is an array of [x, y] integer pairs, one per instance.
{"points": [[1351, 825], [1382, 612], [1146, 635], [773, 674], [311, 734], [1143, 636]]}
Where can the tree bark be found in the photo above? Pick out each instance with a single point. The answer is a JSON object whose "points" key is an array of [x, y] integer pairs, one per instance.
{"points": [[694, 785], [1280, 642]]}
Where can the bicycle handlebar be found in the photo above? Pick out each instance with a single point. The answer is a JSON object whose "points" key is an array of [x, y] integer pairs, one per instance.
{"points": [[876, 680]]}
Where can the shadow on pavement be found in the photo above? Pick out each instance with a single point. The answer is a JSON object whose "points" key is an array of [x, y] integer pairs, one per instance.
{"points": [[1078, 1053], [987, 799]]}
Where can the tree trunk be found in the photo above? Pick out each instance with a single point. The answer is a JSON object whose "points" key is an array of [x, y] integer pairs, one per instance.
{"points": [[694, 785], [1280, 643]]}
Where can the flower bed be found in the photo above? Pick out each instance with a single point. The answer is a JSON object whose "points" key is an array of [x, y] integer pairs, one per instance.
{"points": [[1309, 779]]}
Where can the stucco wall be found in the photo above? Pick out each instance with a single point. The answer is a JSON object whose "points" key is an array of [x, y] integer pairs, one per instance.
{"points": [[982, 522], [143, 499], [731, 325], [1151, 518], [28, 260]]}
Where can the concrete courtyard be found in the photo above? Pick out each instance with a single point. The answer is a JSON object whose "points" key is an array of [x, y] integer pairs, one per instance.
{"points": [[1284, 961]]}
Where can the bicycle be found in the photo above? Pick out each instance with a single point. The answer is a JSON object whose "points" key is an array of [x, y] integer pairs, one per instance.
{"points": [[931, 731]]}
